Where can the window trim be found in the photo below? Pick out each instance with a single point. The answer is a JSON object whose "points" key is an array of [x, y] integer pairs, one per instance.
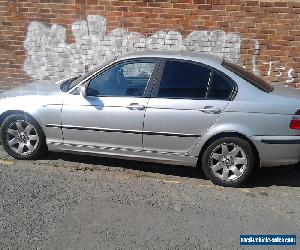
{"points": [[154, 93], [233, 84], [148, 87]]}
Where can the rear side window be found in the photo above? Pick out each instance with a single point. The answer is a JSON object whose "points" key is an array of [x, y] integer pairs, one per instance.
{"points": [[184, 80], [221, 87], [248, 76]]}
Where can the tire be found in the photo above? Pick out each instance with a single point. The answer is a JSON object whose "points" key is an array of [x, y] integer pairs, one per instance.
{"points": [[22, 137], [228, 161]]}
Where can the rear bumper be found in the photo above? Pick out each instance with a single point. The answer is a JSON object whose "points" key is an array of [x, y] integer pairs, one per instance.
{"points": [[277, 150]]}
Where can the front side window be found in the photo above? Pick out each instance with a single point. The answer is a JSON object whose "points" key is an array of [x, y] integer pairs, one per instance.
{"points": [[184, 80], [221, 87], [124, 79]]}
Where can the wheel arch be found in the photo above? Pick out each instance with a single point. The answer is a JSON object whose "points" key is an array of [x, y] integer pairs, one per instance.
{"points": [[18, 112], [228, 134], [12, 112]]}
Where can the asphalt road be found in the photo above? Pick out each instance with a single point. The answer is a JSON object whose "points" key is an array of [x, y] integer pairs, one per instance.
{"points": [[78, 202]]}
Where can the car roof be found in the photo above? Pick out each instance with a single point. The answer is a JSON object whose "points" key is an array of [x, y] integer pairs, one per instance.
{"points": [[183, 55]]}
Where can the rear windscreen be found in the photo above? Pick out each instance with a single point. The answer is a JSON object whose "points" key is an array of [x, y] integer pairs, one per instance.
{"points": [[248, 76]]}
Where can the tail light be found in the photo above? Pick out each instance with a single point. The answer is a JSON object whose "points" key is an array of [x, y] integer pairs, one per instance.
{"points": [[295, 122]]}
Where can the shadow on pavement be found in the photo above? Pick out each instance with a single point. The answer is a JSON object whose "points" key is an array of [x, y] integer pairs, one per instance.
{"points": [[150, 167], [264, 177], [276, 176]]}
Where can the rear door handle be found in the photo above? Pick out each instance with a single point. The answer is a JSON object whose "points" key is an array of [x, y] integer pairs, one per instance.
{"points": [[210, 110], [135, 106]]}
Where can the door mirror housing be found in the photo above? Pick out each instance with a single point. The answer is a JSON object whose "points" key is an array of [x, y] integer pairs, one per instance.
{"points": [[83, 91]]}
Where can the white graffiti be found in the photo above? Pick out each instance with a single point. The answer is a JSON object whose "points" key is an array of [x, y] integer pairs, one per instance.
{"points": [[50, 57], [278, 71], [290, 75]]}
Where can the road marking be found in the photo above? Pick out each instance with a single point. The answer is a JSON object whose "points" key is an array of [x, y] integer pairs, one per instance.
{"points": [[6, 162], [285, 194], [169, 181], [245, 190], [208, 186]]}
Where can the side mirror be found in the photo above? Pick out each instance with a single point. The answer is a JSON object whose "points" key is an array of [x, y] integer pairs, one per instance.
{"points": [[83, 91]]}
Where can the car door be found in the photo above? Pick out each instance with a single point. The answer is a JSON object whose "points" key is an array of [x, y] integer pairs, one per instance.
{"points": [[187, 100], [111, 115]]}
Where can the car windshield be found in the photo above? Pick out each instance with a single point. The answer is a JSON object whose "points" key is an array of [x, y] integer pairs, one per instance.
{"points": [[72, 82], [248, 76]]}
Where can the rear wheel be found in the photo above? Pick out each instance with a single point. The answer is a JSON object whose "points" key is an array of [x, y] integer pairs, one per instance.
{"points": [[228, 161], [22, 137]]}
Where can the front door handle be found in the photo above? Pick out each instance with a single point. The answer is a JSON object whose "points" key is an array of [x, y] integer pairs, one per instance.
{"points": [[210, 110], [135, 106]]}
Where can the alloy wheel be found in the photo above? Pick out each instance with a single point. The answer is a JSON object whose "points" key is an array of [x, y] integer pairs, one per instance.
{"points": [[228, 161], [22, 137]]}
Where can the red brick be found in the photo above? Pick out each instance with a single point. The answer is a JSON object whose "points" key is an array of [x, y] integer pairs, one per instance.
{"points": [[275, 24]]}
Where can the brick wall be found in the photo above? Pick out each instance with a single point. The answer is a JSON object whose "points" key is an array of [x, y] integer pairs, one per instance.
{"points": [[51, 39]]}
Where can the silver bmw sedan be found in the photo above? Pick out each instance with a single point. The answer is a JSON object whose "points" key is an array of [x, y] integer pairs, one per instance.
{"points": [[181, 108]]}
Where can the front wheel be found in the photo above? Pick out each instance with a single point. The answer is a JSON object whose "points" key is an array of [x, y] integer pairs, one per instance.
{"points": [[22, 137], [228, 161]]}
